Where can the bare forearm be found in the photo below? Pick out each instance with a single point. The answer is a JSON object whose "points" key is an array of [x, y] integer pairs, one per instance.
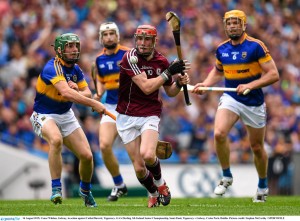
{"points": [[79, 98], [85, 94], [172, 90], [265, 80], [213, 77], [148, 86]]}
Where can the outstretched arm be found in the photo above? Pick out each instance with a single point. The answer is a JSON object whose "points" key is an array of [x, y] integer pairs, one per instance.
{"points": [[74, 96]]}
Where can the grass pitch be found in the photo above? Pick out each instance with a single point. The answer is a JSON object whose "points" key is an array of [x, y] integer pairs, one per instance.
{"points": [[137, 206]]}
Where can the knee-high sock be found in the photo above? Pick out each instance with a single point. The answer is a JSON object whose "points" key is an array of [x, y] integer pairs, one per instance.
{"points": [[155, 169], [148, 183]]}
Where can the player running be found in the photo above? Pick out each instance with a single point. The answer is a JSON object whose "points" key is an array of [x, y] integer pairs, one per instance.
{"points": [[143, 71]]}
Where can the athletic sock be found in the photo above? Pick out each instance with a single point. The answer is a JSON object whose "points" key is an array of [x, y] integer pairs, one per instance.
{"points": [[262, 183], [118, 180], [227, 173], [85, 187], [148, 183], [159, 182], [155, 169], [56, 183]]}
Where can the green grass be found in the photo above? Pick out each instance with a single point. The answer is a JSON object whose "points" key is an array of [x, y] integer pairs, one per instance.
{"points": [[136, 206]]}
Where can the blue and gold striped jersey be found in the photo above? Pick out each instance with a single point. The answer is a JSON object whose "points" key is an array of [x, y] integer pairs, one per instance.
{"points": [[241, 65], [108, 67], [48, 100]]}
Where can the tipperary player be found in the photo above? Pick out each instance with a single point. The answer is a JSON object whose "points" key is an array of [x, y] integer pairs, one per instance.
{"points": [[247, 65], [108, 66], [61, 83]]}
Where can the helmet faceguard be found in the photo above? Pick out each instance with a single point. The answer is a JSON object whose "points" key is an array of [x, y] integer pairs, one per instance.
{"points": [[235, 22], [107, 27], [143, 32], [61, 42]]}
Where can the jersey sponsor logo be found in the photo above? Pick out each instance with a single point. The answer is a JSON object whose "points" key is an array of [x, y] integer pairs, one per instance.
{"points": [[243, 71], [146, 67], [237, 71]]}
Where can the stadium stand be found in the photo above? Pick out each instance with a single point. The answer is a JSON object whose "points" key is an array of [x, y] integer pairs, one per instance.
{"points": [[27, 30]]}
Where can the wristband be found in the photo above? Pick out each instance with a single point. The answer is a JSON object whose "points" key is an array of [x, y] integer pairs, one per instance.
{"points": [[178, 85], [165, 75]]}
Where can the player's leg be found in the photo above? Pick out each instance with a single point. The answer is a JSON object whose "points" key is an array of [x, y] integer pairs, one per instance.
{"points": [[255, 120], [78, 144], [148, 152], [107, 135], [144, 176], [221, 130], [54, 138], [45, 126], [256, 137]]}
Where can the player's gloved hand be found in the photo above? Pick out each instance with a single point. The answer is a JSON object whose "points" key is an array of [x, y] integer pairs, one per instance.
{"points": [[176, 66]]}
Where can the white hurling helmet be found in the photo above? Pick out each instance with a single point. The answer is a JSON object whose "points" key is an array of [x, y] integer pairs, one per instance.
{"points": [[108, 26]]}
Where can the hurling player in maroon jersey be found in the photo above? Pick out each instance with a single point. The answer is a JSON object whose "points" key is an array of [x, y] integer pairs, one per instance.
{"points": [[143, 71]]}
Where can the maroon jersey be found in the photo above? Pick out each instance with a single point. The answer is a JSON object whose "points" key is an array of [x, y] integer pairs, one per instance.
{"points": [[132, 101]]}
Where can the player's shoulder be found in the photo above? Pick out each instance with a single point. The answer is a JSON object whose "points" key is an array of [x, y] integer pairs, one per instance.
{"points": [[130, 52], [77, 68], [224, 43], [255, 41], [159, 56], [51, 64], [100, 53], [126, 57], [124, 48]]}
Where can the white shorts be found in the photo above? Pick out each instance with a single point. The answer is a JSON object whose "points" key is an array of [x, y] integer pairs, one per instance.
{"points": [[111, 108], [129, 128], [253, 116], [66, 122]]}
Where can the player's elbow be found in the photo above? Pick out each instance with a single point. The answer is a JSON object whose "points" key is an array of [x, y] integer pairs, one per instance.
{"points": [[66, 94], [147, 90], [275, 77]]}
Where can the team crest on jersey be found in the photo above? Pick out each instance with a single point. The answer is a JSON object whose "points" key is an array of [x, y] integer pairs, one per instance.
{"points": [[74, 77], [118, 63], [244, 54]]}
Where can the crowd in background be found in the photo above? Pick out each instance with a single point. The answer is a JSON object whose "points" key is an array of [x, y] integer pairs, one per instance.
{"points": [[28, 29]]}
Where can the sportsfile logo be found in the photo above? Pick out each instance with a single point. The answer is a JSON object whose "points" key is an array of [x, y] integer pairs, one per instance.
{"points": [[10, 218]]}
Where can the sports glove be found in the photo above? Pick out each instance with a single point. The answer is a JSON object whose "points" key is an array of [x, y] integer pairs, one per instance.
{"points": [[175, 67]]}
